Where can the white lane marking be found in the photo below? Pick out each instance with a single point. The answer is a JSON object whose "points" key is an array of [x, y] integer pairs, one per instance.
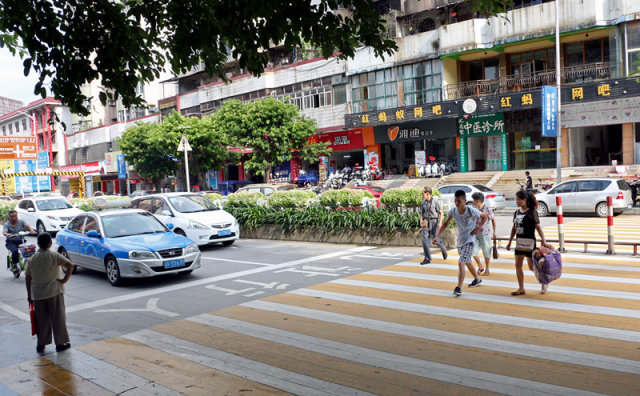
{"points": [[448, 337], [152, 306], [539, 324], [565, 275], [15, 312], [489, 282], [235, 261], [276, 285], [252, 370], [212, 279], [350, 257], [106, 375], [418, 367]]}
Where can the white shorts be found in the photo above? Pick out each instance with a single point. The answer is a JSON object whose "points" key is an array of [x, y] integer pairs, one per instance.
{"points": [[485, 243]]}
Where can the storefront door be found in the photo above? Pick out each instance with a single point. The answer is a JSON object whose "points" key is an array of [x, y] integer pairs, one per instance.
{"points": [[483, 142]]}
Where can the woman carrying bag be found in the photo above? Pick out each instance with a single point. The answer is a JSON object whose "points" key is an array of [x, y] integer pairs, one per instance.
{"points": [[525, 224]]}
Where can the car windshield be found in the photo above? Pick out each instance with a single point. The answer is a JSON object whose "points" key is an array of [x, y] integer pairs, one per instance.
{"points": [[133, 223], [482, 188], [53, 204], [191, 203]]}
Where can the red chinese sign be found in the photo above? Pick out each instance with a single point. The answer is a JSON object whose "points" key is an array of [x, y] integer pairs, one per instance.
{"points": [[343, 140]]}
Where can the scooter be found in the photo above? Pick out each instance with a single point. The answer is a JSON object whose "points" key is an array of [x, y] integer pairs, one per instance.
{"points": [[523, 186], [25, 250]]}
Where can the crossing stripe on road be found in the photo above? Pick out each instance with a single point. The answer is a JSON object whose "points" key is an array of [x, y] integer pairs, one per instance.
{"points": [[396, 330]]}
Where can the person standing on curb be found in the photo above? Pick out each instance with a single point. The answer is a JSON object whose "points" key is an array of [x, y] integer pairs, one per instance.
{"points": [[528, 184], [45, 290], [525, 225], [430, 219], [483, 237], [469, 221]]}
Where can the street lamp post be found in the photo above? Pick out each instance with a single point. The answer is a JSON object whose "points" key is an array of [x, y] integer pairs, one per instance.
{"points": [[558, 115], [184, 146]]}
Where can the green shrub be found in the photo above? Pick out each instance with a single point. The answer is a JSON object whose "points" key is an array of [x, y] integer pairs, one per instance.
{"points": [[326, 220], [404, 197], [5, 207], [291, 199], [213, 197], [344, 198], [245, 200]]}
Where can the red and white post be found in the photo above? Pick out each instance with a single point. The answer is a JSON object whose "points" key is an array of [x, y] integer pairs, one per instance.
{"points": [[610, 240], [560, 224]]}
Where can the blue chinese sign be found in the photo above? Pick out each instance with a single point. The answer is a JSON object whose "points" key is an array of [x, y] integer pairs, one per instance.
{"points": [[27, 184], [122, 166], [549, 111], [212, 179]]}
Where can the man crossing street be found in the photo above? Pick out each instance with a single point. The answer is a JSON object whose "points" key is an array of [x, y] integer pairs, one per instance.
{"points": [[430, 219]]}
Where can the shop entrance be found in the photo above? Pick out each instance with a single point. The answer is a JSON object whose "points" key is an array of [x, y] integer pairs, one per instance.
{"points": [[340, 159], [595, 146]]}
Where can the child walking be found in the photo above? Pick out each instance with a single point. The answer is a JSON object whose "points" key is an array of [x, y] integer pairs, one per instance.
{"points": [[469, 220], [483, 237]]}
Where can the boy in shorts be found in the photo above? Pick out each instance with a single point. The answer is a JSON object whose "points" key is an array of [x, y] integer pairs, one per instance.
{"points": [[469, 220], [483, 237]]}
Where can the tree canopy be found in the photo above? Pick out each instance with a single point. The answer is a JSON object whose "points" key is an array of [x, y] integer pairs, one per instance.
{"points": [[274, 130], [71, 42]]}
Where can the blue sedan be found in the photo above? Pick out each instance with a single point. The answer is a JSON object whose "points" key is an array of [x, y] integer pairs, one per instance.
{"points": [[126, 243]]}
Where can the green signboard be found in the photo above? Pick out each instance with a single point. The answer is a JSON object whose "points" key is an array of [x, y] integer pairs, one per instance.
{"points": [[470, 126]]}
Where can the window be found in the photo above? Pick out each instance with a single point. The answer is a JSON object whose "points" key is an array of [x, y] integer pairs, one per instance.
{"points": [[92, 224], [565, 188], [4, 130], [17, 125], [422, 82], [339, 94], [158, 206], [11, 129], [268, 191], [374, 91], [144, 204], [76, 224], [587, 52], [633, 47], [529, 62], [593, 185], [23, 205], [24, 124]]}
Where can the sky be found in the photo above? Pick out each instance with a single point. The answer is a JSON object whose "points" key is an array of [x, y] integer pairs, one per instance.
{"points": [[13, 83]]}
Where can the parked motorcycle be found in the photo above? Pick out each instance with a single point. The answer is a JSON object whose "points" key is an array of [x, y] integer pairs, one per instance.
{"points": [[544, 186], [523, 186]]}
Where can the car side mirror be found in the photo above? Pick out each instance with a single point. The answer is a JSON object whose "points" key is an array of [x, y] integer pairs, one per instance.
{"points": [[170, 226], [93, 234], [167, 213], [31, 210]]}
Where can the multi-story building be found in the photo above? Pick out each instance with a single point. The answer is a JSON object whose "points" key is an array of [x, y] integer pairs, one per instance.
{"points": [[463, 88], [7, 105]]}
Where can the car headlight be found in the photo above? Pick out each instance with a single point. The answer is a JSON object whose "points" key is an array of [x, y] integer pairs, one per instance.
{"points": [[197, 226], [53, 218], [141, 254], [193, 248]]}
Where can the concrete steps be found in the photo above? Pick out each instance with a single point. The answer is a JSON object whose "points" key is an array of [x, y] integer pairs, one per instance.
{"points": [[507, 183]]}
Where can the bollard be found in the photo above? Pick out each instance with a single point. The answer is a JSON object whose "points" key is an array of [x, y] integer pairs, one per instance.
{"points": [[610, 250], [560, 225]]}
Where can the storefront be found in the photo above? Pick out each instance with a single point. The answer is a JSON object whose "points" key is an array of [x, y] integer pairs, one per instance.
{"points": [[347, 148], [400, 142], [92, 175], [114, 181], [483, 142]]}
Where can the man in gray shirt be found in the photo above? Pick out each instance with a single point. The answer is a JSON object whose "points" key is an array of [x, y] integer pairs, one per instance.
{"points": [[10, 229], [430, 217]]}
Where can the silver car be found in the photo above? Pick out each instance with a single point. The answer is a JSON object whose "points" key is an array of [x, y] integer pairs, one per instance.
{"points": [[586, 196], [495, 199]]}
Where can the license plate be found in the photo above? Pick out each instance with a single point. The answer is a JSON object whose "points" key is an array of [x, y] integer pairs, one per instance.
{"points": [[174, 263], [224, 232]]}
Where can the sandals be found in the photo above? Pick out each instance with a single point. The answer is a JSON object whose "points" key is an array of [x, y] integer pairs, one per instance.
{"points": [[518, 293]]}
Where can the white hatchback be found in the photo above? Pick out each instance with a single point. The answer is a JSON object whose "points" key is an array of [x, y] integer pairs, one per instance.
{"points": [[495, 199], [46, 214], [193, 216]]}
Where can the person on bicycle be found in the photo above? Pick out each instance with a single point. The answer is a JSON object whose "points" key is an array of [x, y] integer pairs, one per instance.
{"points": [[13, 240]]}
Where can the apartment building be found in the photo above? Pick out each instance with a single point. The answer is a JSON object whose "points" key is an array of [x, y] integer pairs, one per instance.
{"points": [[463, 88], [7, 105]]}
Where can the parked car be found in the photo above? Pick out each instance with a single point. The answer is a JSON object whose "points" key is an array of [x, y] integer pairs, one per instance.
{"points": [[495, 200], [193, 216], [5, 198], [141, 193], [126, 243], [586, 196], [375, 190], [46, 214], [231, 186], [268, 189]]}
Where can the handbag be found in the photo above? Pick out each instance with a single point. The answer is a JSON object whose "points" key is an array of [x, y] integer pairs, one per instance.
{"points": [[495, 250], [525, 244], [548, 267], [32, 316]]}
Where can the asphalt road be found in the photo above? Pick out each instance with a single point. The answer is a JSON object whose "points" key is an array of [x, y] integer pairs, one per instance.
{"points": [[248, 270]]}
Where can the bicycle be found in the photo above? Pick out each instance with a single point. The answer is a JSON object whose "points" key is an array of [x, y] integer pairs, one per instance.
{"points": [[25, 250]]}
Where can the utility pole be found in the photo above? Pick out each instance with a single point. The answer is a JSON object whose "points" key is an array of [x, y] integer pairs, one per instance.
{"points": [[558, 85], [184, 146]]}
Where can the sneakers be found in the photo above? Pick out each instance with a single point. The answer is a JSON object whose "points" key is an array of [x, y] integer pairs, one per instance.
{"points": [[60, 348], [457, 292], [475, 282], [425, 261]]}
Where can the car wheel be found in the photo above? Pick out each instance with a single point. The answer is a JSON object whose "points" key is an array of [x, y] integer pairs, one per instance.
{"points": [[40, 227], [543, 209], [228, 243], [602, 210], [113, 271], [63, 252], [187, 272], [180, 232]]}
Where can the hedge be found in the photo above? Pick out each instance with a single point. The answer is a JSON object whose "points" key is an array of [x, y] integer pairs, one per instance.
{"points": [[245, 200], [344, 198], [291, 199]]}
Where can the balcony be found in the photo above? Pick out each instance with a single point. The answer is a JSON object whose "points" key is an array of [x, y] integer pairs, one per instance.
{"points": [[570, 75]]}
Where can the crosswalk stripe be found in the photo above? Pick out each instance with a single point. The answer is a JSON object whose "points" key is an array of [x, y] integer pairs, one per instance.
{"points": [[541, 324], [629, 313], [442, 372], [535, 351], [277, 378], [106, 375], [509, 263]]}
